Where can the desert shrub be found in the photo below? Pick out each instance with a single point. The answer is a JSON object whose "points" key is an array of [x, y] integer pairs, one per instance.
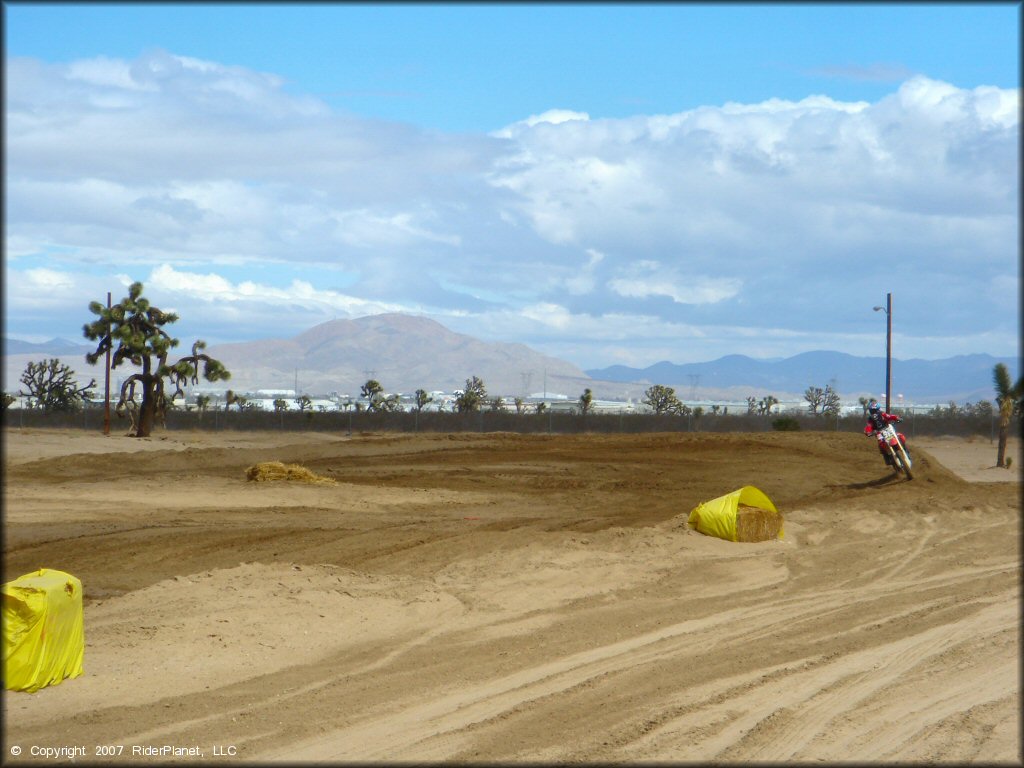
{"points": [[786, 424]]}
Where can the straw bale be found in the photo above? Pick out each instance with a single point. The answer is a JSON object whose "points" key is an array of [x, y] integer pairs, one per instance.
{"points": [[276, 470], [756, 524]]}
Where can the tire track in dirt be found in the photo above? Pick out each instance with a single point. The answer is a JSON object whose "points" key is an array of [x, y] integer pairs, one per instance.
{"points": [[489, 702], [886, 735], [813, 704], [411, 729], [792, 716]]}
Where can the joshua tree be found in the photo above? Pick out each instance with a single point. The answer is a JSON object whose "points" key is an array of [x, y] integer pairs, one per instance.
{"points": [[304, 402], [815, 397], [1010, 399], [830, 402], [280, 404], [520, 404], [373, 392], [133, 331], [586, 401], [662, 399], [231, 397], [51, 384], [390, 404], [472, 397], [422, 398]]}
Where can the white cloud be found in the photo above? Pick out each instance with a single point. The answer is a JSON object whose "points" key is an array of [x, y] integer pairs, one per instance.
{"points": [[364, 229], [213, 290], [645, 278], [103, 71], [551, 117], [583, 281], [48, 281], [548, 314], [48, 302], [714, 171]]}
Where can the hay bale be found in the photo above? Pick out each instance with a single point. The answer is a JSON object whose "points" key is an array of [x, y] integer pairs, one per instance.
{"points": [[276, 470], [756, 524]]}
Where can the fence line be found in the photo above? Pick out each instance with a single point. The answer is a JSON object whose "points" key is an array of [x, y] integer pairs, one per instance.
{"points": [[349, 422]]}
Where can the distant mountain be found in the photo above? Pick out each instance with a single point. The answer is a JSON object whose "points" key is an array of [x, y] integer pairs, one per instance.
{"points": [[51, 348], [403, 352], [965, 377]]}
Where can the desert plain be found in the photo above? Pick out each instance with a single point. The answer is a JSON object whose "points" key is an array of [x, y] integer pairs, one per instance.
{"points": [[502, 598]]}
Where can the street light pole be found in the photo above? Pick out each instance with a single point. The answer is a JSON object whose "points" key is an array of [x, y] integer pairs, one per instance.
{"points": [[888, 350], [106, 381]]}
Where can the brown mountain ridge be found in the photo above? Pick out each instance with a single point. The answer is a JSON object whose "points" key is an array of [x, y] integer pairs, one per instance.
{"points": [[403, 352]]}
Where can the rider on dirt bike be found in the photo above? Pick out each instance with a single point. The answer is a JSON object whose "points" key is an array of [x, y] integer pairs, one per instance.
{"points": [[877, 419]]}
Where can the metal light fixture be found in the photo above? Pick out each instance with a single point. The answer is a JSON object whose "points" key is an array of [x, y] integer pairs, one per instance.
{"points": [[888, 349]]}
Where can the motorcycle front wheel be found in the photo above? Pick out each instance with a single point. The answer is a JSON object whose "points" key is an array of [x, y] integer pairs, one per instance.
{"points": [[904, 461]]}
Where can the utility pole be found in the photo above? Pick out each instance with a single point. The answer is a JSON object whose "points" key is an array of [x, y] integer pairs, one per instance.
{"points": [[106, 383], [888, 352], [888, 349]]}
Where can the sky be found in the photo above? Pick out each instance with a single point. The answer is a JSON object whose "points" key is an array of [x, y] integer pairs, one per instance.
{"points": [[608, 184]]}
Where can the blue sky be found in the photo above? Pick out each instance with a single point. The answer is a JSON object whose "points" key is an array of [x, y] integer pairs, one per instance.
{"points": [[468, 67], [605, 183]]}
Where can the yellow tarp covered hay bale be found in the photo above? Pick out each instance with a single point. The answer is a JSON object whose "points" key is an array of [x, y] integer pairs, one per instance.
{"points": [[744, 515], [275, 470], [44, 636]]}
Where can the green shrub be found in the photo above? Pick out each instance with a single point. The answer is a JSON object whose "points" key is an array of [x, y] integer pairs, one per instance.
{"points": [[786, 424]]}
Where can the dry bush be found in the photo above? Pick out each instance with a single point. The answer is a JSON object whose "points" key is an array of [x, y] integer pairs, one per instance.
{"points": [[276, 470]]}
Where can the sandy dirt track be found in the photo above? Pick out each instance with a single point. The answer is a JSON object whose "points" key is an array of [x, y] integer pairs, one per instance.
{"points": [[505, 598]]}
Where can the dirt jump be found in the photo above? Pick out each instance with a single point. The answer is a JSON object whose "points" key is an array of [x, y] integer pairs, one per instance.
{"points": [[471, 598]]}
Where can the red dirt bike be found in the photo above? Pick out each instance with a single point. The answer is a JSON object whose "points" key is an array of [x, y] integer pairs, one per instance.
{"points": [[895, 445]]}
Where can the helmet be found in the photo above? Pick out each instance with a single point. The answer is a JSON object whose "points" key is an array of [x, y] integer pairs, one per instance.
{"points": [[873, 407]]}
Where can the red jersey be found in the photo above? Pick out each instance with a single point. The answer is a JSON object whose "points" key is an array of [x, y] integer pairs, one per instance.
{"points": [[876, 423]]}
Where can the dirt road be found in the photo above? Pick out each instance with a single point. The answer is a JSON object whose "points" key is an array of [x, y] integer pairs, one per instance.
{"points": [[504, 598]]}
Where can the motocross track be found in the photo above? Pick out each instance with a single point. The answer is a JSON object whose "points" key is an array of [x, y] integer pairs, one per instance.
{"points": [[506, 598]]}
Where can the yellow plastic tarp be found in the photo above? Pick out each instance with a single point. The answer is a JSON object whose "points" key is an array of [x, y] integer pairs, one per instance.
{"points": [[44, 638], [718, 516]]}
